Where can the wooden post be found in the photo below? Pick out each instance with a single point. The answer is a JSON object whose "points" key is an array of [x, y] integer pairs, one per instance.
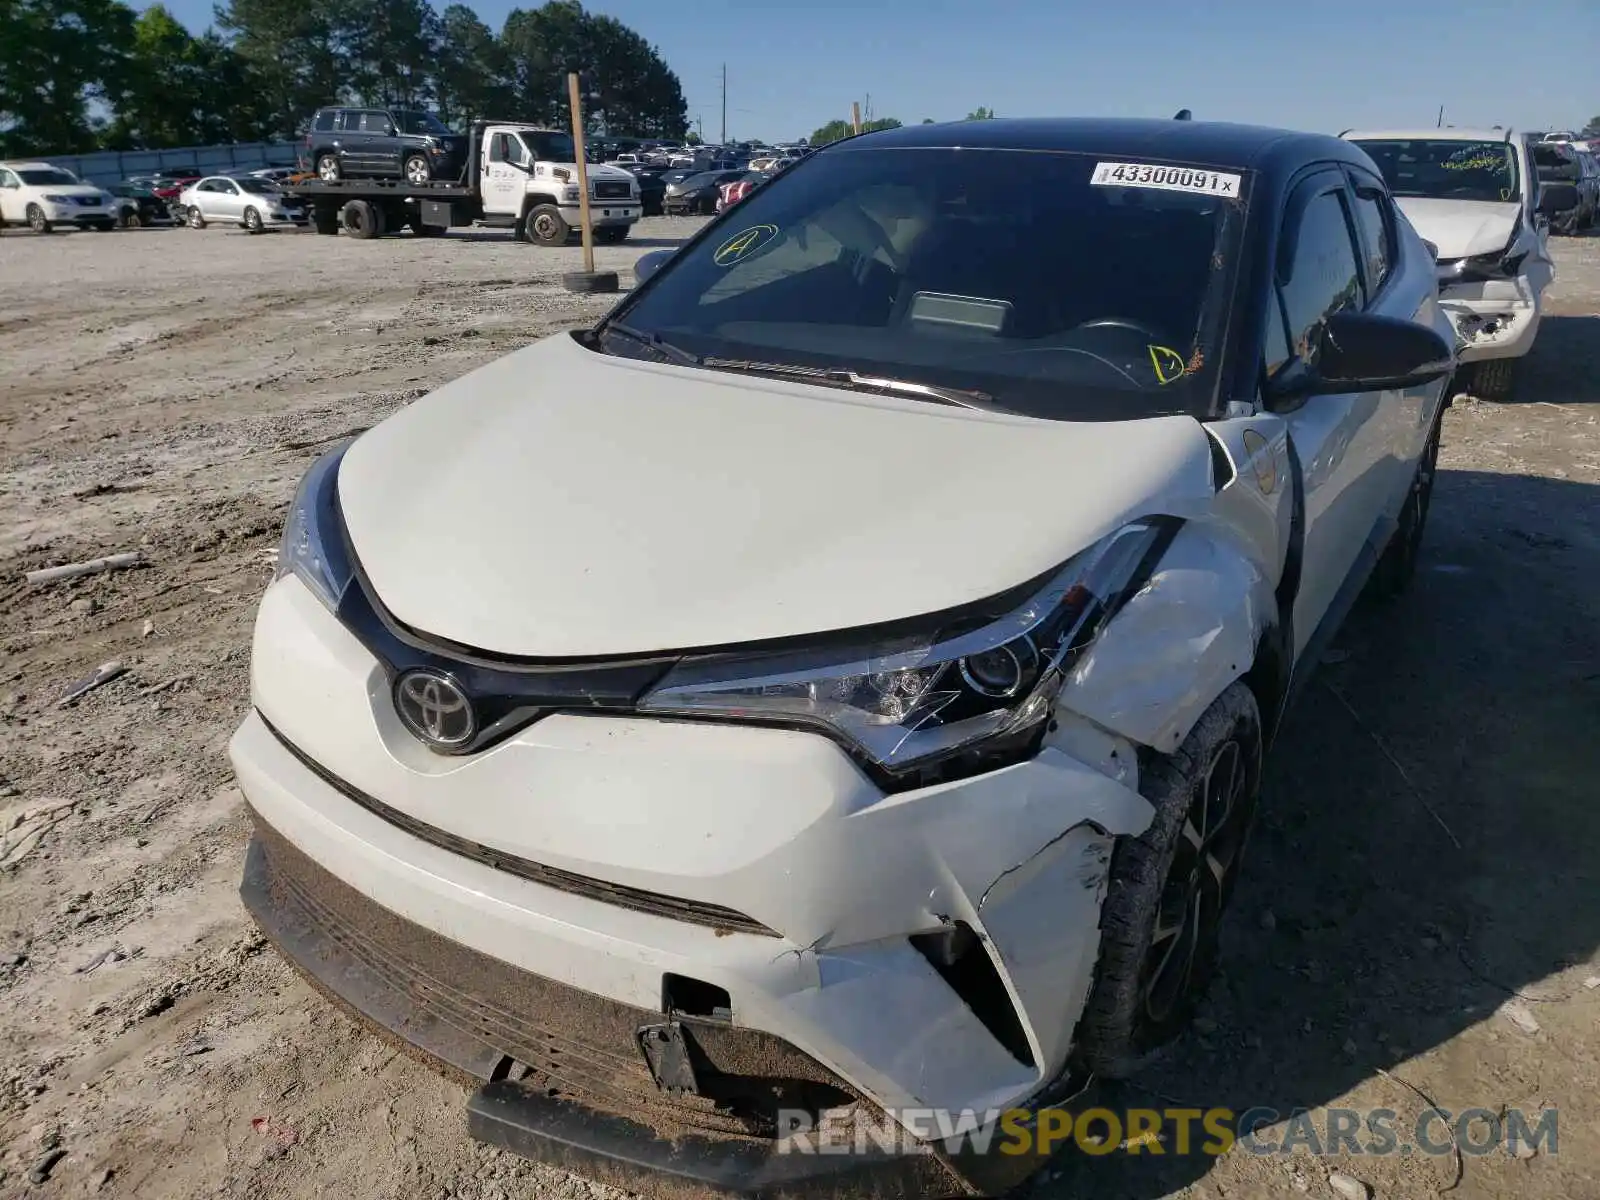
{"points": [[855, 115], [583, 169]]}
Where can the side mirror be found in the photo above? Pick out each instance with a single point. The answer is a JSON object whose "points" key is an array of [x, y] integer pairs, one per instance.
{"points": [[1433, 249], [649, 264], [1365, 352], [1557, 198]]}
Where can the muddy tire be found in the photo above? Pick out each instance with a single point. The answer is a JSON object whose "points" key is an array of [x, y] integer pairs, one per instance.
{"points": [[252, 220], [37, 221], [1494, 379], [1170, 886], [361, 219], [1398, 566], [545, 226], [328, 168]]}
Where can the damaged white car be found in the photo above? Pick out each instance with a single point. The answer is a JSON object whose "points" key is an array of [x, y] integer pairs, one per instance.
{"points": [[1475, 196], [835, 686]]}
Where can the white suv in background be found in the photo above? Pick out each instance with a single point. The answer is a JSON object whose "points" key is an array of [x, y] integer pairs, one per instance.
{"points": [[1474, 194], [43, 197]]}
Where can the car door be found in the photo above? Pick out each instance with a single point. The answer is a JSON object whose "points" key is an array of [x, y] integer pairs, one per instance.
{"points": [[503, 182], [1342, 442], [355, 155], [226, 202], [11, 207], [380, 142]]}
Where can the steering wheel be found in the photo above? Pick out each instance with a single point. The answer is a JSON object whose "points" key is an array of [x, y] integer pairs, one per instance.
{"points": [[1138, 327]]}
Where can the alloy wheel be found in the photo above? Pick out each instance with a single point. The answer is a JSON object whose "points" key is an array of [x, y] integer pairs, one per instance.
{"points": [[544, 226], [417, 171], [1196, 889]]}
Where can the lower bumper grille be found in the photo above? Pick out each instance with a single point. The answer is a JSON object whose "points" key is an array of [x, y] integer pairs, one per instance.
{"points": [[489, 1020]]}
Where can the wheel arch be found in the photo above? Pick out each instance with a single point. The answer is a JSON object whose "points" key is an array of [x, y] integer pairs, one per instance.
{"points": [[532, 200]]}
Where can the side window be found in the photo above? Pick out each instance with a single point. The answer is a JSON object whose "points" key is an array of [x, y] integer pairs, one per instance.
{"points": [[228, 188], [376, 122], [349, 121], [8, 180], [1323, 277], [325, 120], [1274, 340], [498, 146], [1377, 236]]}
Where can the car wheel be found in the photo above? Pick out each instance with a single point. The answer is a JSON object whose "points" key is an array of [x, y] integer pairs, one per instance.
{"points": [[325, 220], [417, 171], [1397, 567], [37, 221], [1494, 379], [544, 226], [361, 219], [1170, 886], [252, 220], [328, 168], [196, 221]]}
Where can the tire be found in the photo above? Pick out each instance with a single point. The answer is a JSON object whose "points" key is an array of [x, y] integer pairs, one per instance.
{"points": [[1494, 379], [1165, 899], [196, 221], [104, 226], [37, 220], [1394, 571], [361, 219], [416, 170], [129, 218], [328, 168], [544, 226], [325, 220], [252, 220], [612, 235]]}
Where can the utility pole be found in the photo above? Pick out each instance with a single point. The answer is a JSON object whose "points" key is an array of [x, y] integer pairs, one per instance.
{"points": [[855, 116], [724, 104], [1440, 123]]}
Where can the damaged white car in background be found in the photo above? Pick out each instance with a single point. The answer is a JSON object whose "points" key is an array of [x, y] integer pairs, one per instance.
{"points": [[838, 682], [1475, 196]]}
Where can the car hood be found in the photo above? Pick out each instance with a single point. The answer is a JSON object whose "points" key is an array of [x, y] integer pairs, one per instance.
{"points": [[71, 189], [1461, 228], [563, 503]]}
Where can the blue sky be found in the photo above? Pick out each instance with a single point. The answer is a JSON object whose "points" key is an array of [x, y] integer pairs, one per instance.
{"points": [[1321, 66]]}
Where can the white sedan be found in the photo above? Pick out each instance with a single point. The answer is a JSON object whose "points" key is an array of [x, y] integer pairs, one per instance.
{"points": [[252, 204]]}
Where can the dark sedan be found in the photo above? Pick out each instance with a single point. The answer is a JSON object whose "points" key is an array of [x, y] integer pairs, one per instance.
{"points": [[697, 193], [139, 206]]}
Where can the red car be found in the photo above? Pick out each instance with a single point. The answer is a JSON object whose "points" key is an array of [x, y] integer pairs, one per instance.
{"points": [[730, 194]]}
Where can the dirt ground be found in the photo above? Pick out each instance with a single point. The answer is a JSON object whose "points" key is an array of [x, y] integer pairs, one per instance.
{"points": [[1427, 847]]}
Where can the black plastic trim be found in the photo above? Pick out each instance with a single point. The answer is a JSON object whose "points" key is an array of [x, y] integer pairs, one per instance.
{"points": [[693, 912]]}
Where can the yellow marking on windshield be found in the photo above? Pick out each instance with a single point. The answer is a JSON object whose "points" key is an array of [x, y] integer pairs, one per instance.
{"points": [[1167, 364]]}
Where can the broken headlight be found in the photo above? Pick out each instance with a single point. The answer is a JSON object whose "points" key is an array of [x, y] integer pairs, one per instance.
{"points": [[899, 703], [313, 545]]}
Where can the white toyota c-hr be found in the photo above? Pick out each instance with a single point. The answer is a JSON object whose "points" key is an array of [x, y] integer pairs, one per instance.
{"points": [[835, 686]]}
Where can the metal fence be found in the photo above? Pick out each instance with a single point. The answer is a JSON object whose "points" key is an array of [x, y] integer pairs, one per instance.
{"points": [[112, 166]]}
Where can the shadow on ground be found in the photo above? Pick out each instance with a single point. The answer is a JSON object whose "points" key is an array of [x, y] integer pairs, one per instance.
{"points": [[1564, 364], [1387, 938]]}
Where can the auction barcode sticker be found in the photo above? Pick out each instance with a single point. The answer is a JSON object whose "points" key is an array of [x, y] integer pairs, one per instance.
{"points": [[1169, 179]]}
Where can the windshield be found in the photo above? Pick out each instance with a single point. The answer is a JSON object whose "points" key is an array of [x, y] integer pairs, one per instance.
{"points": [[259, 187], [547, 145], [1042, 280], [1446, 168], [421, 122], [48, 176]]}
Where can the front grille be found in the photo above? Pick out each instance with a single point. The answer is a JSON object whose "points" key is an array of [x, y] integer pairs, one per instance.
{"points": [[693, 912], [611, 190], [550, 1037]]}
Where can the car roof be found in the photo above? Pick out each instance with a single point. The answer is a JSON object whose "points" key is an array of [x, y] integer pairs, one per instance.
{"points": [[1448, 133], [1213, 143], [22, 165]]}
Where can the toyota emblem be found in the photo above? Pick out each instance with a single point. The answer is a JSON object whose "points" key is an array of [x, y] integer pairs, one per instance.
{"points": [[433, 706]]}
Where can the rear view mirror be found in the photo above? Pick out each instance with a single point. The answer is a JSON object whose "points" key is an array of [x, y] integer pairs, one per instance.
{"points": [[1365, 352], [1557, 198], [649, 264]]}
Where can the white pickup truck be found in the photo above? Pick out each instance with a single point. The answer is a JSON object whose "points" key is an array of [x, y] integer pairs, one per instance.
{"points": [[516, 177]]}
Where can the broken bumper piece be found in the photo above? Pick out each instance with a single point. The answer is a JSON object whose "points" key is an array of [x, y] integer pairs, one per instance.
{"points": [[560, 1075]]}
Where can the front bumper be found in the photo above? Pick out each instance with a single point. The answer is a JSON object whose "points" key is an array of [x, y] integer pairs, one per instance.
{"points": [[1492, 319], [83, 218], [612, 854], [602, 213]]}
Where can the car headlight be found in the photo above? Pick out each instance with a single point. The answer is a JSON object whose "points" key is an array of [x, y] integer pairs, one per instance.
{"points": [[901, 702], [51, 199], [313, 546], [572, 194]]}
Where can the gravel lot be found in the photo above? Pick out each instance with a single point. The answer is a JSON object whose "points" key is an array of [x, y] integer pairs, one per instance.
{"points": [[1426, 849]]}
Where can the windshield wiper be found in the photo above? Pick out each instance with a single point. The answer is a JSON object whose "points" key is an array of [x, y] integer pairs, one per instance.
{"points": [[838, 377], [654, 341]]}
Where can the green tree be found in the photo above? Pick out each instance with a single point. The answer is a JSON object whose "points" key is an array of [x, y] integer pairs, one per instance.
{"points": [[59, 59], [834, 130], [981, 114], [297, 51], [390, 46], [470, 71], [927, 120], [691, 139]]}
